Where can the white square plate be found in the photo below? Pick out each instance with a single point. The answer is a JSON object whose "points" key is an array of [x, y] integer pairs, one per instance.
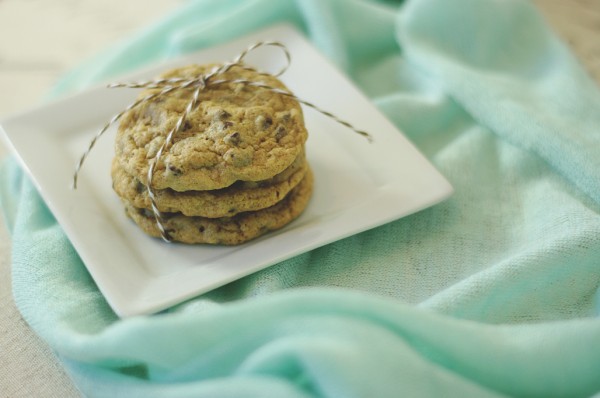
{"points": [[358, 185]]}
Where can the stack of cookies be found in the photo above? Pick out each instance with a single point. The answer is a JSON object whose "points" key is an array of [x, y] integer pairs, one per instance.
{"points": [[236, 169]]}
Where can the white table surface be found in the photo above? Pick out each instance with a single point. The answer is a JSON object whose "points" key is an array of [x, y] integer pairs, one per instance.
{"points": [[48, 38]]}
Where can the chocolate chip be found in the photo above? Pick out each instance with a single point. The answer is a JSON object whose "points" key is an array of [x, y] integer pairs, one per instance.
{"points": [[174, 170], [267, 123], [238, 157], [286, 117], [233, 138], [201, 229], [139, 187], [226, 125], [262, 122], [186, 126], [280, 132], [146, 213]]}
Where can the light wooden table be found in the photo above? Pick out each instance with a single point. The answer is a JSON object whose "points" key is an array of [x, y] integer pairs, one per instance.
{"points": [[40, 40]]}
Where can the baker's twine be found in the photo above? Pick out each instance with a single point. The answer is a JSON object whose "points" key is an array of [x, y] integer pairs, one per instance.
{"points": [[200, 83]]}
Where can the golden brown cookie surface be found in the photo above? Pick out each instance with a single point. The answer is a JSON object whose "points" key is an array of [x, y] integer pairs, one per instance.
{"points": [[236, 132], [229, 230]]}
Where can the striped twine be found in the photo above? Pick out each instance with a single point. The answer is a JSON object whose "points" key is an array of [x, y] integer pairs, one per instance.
{"points": [[200, 83]]}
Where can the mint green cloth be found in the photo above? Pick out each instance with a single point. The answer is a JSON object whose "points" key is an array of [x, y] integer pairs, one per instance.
{"points": [[494, 292]]}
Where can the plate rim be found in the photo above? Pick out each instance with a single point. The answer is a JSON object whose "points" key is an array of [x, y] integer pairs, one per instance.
{"points": [[133, 307]]}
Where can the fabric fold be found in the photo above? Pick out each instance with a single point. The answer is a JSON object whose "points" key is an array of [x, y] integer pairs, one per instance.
{"points": [[499, 62]]}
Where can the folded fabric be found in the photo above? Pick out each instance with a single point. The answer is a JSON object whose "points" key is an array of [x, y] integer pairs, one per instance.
{"points": [[494, 292]]}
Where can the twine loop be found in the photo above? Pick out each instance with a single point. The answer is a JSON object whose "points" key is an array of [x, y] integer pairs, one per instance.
{"points": [[199, 84]]}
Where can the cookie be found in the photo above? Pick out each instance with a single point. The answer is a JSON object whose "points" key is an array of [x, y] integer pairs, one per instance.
{"points": [[236, 132], [229, 230], [239, 197]]}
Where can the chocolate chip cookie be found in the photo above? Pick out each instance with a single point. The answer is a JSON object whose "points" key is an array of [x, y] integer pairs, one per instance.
{"points": [[236, 132]]}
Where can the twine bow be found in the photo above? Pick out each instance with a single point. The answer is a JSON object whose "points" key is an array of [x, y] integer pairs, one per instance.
{"points": [[200, 83]]}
